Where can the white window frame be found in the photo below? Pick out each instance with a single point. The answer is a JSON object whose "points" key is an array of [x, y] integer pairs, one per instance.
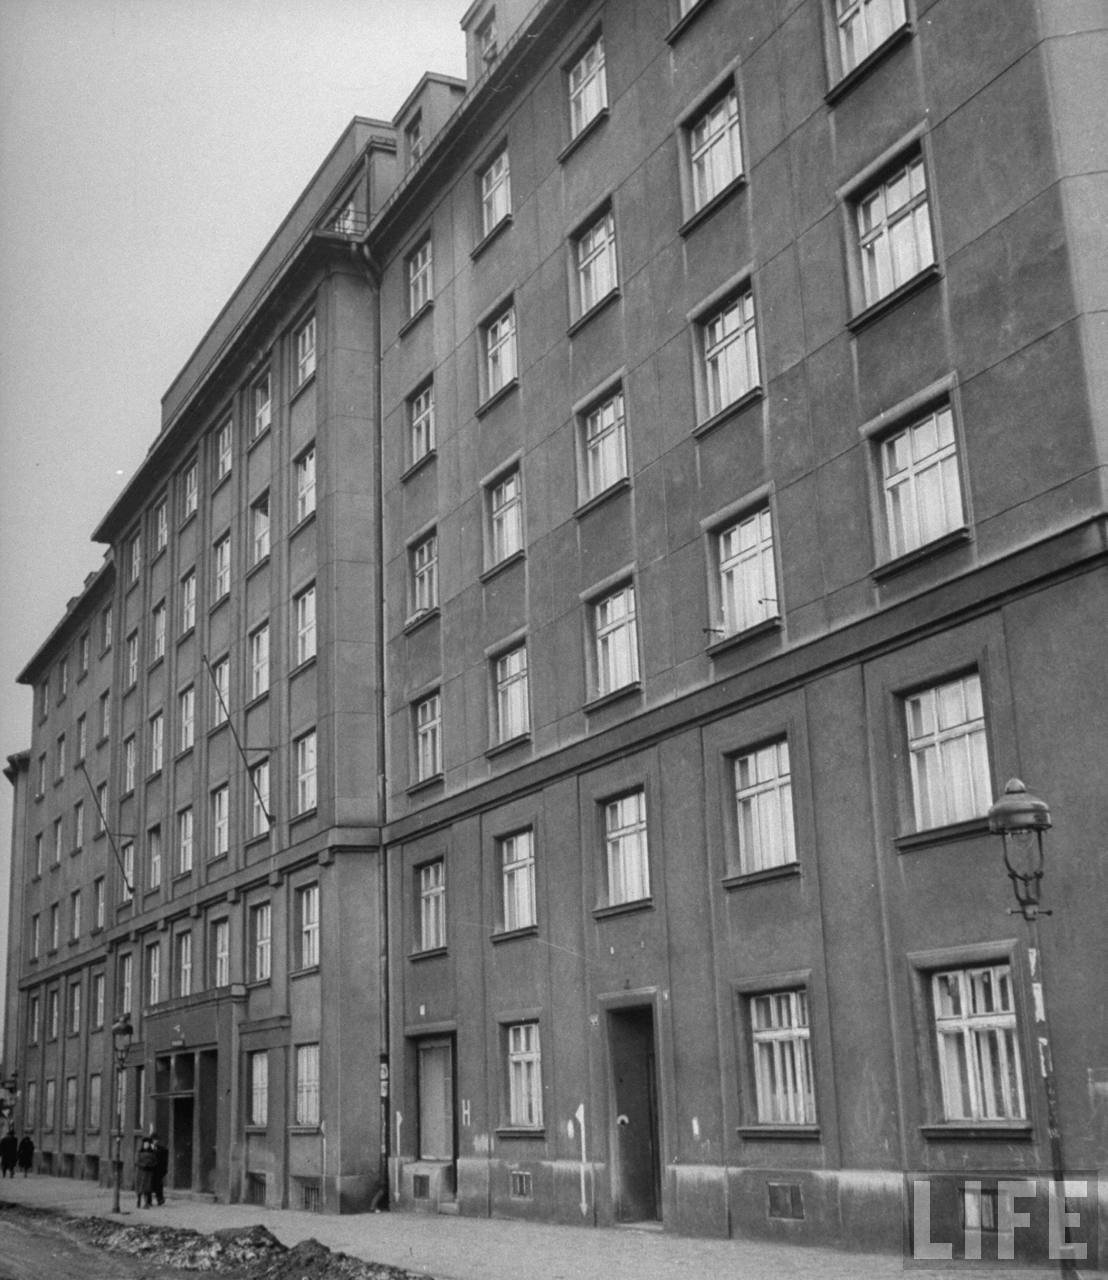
{"points": [[524, 1053], [221, 821], [713, 140], [132, 659], [615, 640], [304, 610], [511, 687], [186, 718], [153, 972], [259, 799], [307, 1085], [261, 942], [161, 533], [626, 849], [595, 266], [96, 999], [79, 824], [421, 422], [188, 601], [501, 358], [182, 958], [747, 572], [221, 690], [420, 280], [307, 925], [496, 192], [781, 1049], [304, 347], [728, 338], [262, 397], [185, 840], [517, 879], [948, 752], [764, 817], [221, 567], [427, 729], [154, 858], [223, 454], [305, 484], [190, 490], [920, 482], [603, 428], [432, 905], [307, 795], [134, 558], [587, 86], [157, 742], [424, 562], [259, 661], [893, 225], [126, 977], [95, 1100], [259, 528], [258, 1072], [505, 515], [221, 953], [863, 26], [130, 763]]}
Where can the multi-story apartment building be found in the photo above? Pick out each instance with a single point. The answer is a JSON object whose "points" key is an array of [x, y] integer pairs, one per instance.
{"points": [[708, 432]]}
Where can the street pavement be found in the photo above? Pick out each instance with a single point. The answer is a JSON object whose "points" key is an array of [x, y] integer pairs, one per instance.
{"points": [[459, 1248]]}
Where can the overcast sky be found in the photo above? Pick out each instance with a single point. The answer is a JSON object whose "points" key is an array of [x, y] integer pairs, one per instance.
{"points": [[148, 150]]}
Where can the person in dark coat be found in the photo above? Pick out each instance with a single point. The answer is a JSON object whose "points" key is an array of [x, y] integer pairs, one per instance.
{"points": [[9, 1153], [26, 1153], [160, 1169], [145, 1164]]}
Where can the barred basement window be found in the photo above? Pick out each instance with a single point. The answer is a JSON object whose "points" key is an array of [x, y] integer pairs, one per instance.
{"points": [[520, 1188], [254, 1191]]}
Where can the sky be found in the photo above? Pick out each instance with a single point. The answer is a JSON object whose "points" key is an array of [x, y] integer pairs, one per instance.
{"points": [[148, 150]]}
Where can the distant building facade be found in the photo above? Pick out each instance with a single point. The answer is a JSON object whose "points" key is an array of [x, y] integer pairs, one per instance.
{"points": [[591, 583]]}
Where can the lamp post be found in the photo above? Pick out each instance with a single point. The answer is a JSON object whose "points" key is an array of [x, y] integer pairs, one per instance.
{"points": [[1020, 819], [122, 1034]]}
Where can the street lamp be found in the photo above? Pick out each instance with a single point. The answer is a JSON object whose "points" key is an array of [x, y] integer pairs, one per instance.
{"points": [[1020, 819], [122, 1035]]}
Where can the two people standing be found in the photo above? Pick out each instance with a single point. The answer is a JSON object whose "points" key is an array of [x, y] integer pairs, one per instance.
{"points": [[15, 1154], [151, 1164]]}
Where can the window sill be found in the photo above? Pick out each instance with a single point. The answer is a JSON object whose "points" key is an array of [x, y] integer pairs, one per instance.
{"points": [[188, 517], [305, 1128], [256, 699], [303, 666], [253, 842], [222, 724], [586, 131], [706, 210], [623, 908], [306, 972], [301, 387], [304, 815], [776, 1132], [493, 570], [787, 871], [189, 631], [257, 439], [415, 318], [425, 784], [765, 627], [598, 499], [431, 953], [258, 564], [685, 21], [180, 876], [417, 620], [859, 72], [889, 568], [482, 244], [222, 856], [606, 699], [509, 744], [422, 461], [153, 775], [219, 602], [613, 295], [728, 411], [890, 301], [185, 751], [949, 834], [510, 935], [221, 481], [521, 1131], [500, 394], [300, 524], [987, 1130]]}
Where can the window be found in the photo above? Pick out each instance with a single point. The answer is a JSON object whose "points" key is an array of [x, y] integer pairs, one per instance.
{"points": [[63, 679], [35, 941], [161, 527], [714, 148], [127, 872], [129, 764], [258, 1072], [979, 1057], [413, 135], [59, 840], [82, 738], [75, 914], [304, 608], [221, 567], [424, 560], [259, 661], [432, 906], [594, 262], [95, 1104], [616, 641], [186, 718], [73, 1008], [263, 404], [307, 917], [223, 451], [513, 718], [894, 231], [40, 782], [96, 1000], [421, 422], [307, 1084], [132, 658], [83, 651], [345, 220], [153, 972], [126, 971], [221, 810], [505, 499], [517, 872], [747, 578], [428, 738], [106, 628], [764, 808], [52, 1014], [55, 926], [259, 529], [188, 601], [34, 1026], [157, 742], [524, 1076], [134, 558], [79, 825], [221, 690], [220, 961], [154, 858], [496, 193], [306, 796], [38, 854], [304, 343], [864, 25], [919, 476], [182, 945], [588, 87], [31, 1111], [604, 445], [784, 1091], [948, 753], [627, 861], [99, 902], [419, 278], [50, 1105], [105, 715], [261, 934], [305, 484], [486, 38], [730, 353], [184, 841], [259, 799], [70, 1113], [59, 771], [190, 491], [500, 352]]}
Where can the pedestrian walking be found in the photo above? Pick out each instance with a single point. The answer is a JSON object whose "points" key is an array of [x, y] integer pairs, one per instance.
{"points": [[9, 1154], [25, 1154], [145, 1164], [160, 1169]]}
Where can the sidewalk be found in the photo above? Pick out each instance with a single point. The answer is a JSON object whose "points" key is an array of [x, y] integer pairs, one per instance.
{"points": [[456, 1248]]}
